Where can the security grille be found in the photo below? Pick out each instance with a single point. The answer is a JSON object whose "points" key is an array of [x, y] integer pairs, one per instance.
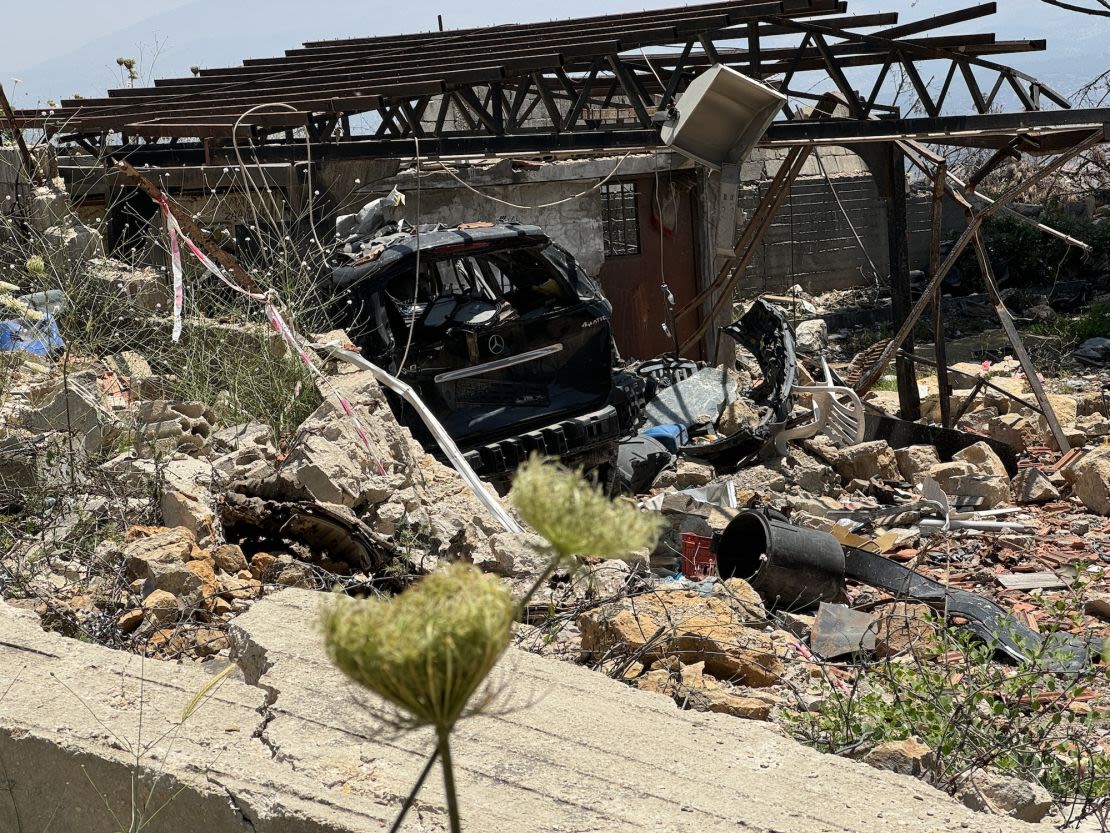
{"points": [[620, 219]]}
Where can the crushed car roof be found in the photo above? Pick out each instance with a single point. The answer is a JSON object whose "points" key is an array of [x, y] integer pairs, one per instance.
{"points": [[382, 252]]}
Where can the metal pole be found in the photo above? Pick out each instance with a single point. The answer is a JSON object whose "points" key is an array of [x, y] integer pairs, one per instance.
{"points": [[909, 399], [944, 388], [1019, 348]]}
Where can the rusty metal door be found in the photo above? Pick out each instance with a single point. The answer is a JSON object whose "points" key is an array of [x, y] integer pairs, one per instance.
{"points": [[662, 247]]}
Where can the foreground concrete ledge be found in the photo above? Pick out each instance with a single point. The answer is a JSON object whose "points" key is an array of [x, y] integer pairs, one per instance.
{"points": [[287, 745]]}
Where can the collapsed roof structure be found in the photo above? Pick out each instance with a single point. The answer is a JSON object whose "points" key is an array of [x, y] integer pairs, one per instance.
{"points": [[609, 82], [583, 84]]}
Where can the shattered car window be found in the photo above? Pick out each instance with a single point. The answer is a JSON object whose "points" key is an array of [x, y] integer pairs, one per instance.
{"points": [[586, 287], [524, 279]]}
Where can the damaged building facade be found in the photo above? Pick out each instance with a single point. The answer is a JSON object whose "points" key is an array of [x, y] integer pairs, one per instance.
{"points": [[650, 223]]}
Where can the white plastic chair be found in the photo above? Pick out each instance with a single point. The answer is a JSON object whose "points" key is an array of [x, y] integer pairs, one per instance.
{"points": [[837, 412]]}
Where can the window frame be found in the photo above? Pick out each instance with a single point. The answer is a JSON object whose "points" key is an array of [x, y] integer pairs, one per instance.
{"points": [[620, 213]]}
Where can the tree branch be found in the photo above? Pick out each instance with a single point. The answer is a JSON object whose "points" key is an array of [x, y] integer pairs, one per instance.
{"points": [[1104, 11]]}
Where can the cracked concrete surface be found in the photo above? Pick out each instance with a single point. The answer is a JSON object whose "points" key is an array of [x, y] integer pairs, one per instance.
{"points": [[289, 746]]}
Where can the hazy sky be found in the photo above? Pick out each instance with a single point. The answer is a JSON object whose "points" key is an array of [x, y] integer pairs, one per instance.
{"points": [[61, 47]]}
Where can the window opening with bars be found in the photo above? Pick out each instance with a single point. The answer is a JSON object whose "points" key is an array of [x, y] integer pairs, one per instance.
{"points": [[620, 219]]}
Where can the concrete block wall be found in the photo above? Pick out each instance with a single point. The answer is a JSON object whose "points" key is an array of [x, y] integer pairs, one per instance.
{"points": [[575, 225], [811, 241]]}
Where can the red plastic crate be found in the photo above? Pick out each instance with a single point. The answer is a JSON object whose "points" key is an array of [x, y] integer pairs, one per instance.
{"points": [[697, 560]]}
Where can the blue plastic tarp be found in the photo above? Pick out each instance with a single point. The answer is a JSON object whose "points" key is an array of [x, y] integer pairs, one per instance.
{"points": [[39, 338]]}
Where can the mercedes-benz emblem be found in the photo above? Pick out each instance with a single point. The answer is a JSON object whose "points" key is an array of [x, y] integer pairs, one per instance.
{"points": [[496, 345]]}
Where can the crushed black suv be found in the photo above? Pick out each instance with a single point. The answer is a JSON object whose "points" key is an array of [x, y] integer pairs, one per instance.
{"points": [[505, 338]]}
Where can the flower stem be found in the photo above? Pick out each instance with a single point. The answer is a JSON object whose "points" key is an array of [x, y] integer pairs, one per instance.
{"points": [[411, 799], [541, 579], [449, 781]]}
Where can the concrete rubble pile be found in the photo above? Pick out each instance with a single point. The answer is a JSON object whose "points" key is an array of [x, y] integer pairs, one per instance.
{"points": [[172, 587], [160, 525]]}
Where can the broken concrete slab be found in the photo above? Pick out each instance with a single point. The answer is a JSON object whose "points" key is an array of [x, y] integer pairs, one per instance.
{"points": [[381, 469], [74, 406], [70, 758], [1044, 580], [168, 426], [33, 463], [293, 748], [526, 768]]}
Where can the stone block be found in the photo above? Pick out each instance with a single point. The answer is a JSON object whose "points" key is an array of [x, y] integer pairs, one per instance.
{"points": [[946, 473], [812, 336], [906, 757], [1012, 429], [983, 458], [1033, 486], [992, 792], [867, 460], [914, 461], [994, 490], [1091, 480]]}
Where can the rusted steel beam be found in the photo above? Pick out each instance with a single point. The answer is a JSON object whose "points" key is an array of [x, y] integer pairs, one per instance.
{"points": [[596, 23], [766, 208], [205, 241], [1010, 151], [29, 166], [1018, 346], [938, 21], [940, 349], [496, 40], [968, 400], [984, 382], [836, 73], [893, 178], [632, 90], [745, 250], [975, 221], [920, 88], [931, 129]]}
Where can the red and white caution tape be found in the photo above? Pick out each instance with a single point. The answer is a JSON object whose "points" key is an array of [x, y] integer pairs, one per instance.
{"points": [[270, 301], [178, 274]]}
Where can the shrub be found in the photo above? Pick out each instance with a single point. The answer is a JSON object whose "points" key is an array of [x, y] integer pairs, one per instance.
{"points": [[973, 713]]}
